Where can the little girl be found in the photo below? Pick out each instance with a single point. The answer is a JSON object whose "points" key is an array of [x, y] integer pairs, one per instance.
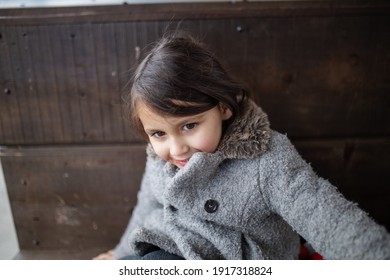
{"points": [[219, 183]]}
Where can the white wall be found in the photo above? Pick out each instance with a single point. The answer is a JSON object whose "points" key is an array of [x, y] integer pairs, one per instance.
{"points": [[8, 241]]}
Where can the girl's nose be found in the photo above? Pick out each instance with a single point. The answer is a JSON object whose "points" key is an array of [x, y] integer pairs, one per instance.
{"points": [[178, 147]]}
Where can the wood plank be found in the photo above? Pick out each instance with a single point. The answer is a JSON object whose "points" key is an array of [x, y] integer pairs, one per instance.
{"points": [[190, 11], [43, 83], [127, 51], [309, 89], [87, 91], [72, 197], [107, 83], [10, 122], [65, 86], [26, 104]]}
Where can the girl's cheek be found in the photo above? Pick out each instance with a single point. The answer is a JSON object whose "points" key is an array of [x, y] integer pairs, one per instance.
{"points": [[208, 144], [160, 151]]}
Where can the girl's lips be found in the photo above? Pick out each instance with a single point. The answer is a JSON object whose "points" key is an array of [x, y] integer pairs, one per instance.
{"points": [[180, 163]]}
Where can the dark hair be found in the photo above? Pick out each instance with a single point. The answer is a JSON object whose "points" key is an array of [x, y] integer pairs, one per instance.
{"points": [[181, 77]]}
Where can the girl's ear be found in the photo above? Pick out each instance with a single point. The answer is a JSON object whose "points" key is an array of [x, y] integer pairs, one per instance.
{"points": [[226, 113]]}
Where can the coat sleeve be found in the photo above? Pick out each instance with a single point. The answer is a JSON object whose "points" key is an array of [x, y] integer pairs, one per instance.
{"points": [[146, 203], [334, 226]]}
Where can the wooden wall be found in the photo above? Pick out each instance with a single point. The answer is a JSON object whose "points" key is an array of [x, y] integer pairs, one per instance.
{"points": [[71, 161]]}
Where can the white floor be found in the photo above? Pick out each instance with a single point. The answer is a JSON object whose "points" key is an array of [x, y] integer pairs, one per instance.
{"points": [[8, 241]]}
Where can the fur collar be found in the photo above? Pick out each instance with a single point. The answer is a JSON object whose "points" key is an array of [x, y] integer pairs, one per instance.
{"points": [[246, 137]]}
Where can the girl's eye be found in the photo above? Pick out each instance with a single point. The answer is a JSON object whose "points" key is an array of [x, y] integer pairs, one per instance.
{"points": [[189, 126], [158, 134]]}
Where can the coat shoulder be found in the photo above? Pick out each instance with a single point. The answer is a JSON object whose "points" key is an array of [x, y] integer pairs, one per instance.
{"points": [[281, 151]]}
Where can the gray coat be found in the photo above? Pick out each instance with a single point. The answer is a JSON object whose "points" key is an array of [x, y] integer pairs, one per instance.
{"points": [[248, 200]]}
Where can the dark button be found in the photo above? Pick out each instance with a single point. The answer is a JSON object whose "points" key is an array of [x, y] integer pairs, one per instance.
{"points": [[211, 206], [172, 208]]}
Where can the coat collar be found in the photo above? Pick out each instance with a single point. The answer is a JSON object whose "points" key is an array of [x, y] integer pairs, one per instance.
{"points": [[246, 137]]}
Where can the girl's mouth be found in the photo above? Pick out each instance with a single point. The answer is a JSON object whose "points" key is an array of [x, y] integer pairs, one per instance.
{"points": [[180, 163]]}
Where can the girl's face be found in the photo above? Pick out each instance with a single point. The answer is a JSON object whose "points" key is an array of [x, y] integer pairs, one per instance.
{"points": [[176, 139]]}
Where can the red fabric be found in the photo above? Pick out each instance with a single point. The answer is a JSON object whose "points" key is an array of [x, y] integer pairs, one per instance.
{"points": [[306, 254]]}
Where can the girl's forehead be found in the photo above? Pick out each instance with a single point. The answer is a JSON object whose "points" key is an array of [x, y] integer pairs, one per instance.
{"points": [[151, 118], [146, 112]]}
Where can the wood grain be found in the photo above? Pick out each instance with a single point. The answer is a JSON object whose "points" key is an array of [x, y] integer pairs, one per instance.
{"points": [[314, 76], [72, 197]]}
